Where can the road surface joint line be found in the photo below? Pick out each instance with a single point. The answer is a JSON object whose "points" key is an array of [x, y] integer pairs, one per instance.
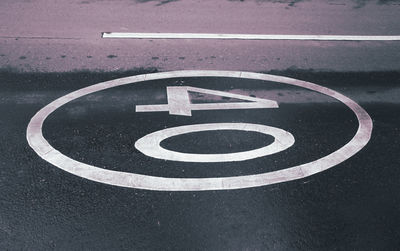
{"points": [[39, 37]]}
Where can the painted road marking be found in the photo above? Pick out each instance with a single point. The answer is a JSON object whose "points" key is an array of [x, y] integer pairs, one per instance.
{"points": [[150, 144], [179, 102], [248, 36], [40, 145]]}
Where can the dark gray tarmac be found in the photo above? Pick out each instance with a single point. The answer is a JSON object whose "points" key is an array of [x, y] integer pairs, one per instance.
{"points": [[352, 206]]}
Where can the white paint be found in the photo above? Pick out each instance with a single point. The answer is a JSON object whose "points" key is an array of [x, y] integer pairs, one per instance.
{"points": [[248, 36], [179, 102], [40, 145], [150, 144]]}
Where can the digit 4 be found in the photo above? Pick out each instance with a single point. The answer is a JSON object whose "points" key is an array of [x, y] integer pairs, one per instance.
{"points": [[179, 102]]}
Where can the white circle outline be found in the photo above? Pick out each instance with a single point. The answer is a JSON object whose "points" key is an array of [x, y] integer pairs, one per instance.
{"points": [[150, 144], [124, 179]]}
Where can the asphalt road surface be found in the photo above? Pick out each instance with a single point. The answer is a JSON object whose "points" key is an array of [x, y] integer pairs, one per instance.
{"points": [[353, 205], [59, 36], [199, 144]]}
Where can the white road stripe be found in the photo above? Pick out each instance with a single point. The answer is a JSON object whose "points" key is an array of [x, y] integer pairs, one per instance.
{"points": [[248, 36]]}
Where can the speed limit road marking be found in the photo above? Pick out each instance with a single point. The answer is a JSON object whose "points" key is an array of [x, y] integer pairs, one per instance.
{"points": [[179, 104]]}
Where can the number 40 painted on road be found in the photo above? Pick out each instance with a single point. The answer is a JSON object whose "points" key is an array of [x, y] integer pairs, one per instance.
{"points": [[179, 102]]}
